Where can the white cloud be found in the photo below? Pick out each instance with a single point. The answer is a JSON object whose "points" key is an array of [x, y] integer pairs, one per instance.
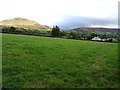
{"points": [[50, 11]]}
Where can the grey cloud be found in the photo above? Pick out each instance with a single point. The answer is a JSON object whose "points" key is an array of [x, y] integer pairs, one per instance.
{"points": [[70, 22]]}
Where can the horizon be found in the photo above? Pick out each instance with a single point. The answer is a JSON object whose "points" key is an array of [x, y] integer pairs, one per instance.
{"points": [[66, 29], [76, 13]]}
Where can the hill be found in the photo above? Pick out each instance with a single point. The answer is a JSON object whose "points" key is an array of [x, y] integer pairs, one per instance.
{"points": [[23, 23], [91, 29]]}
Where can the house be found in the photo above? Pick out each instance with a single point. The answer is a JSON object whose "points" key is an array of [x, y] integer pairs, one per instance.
{"points": [[96, 39], [104, 40], [114, 40]]}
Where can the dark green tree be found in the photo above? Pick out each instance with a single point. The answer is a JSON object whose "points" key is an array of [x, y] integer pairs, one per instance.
{"points": [[12, 29], [84, 35], [5, 29], [55, 31], [74, 35]]}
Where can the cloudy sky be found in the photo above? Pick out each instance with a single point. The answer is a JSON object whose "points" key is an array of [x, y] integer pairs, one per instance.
{"points": [[65, 13]]}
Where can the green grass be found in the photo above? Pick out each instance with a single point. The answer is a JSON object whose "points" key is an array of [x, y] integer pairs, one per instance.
{"points": [[32, 61]]}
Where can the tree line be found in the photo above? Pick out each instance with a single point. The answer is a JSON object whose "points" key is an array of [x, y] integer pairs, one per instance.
{"points": [[16, 30], [84, 35], [56, 32]]}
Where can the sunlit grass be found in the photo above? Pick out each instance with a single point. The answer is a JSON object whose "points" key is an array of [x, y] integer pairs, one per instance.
{"points": [[33, 61]]}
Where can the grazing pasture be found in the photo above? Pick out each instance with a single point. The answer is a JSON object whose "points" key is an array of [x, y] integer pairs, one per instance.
{"points": [[44, 62]]}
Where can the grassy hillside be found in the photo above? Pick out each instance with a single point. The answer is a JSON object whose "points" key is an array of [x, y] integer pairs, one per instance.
{"points": [[24, 23], [93, 29], [31, 61]]}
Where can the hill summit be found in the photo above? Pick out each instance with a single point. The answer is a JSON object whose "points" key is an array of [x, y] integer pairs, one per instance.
{"points": [[23, 23]]}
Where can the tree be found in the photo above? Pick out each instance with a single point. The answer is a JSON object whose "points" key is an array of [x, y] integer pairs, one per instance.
{"points": [[84, 35], [74, 35], [12, 29], [5, 29], [55, 31], [62, 33]]}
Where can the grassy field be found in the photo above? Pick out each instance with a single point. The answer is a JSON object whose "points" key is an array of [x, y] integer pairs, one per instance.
{"points": [[32, 61]]}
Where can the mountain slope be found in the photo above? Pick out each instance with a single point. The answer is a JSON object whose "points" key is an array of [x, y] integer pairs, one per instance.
{"points": [[91, 29], [23, 23]]}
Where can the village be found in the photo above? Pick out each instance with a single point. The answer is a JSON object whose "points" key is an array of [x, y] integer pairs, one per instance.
{"points": [[105, 39]]}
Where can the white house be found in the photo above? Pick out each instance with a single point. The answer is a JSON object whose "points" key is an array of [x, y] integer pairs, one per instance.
{"points": [[104, 39], [114, 40], [96, 39]]}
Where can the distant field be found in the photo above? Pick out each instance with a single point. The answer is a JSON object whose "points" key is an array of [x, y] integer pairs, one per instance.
{"points": [[33, 61]]}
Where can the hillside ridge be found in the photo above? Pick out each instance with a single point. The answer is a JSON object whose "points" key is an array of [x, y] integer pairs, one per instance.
{"points": [[94, 29], [23, 23]]}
